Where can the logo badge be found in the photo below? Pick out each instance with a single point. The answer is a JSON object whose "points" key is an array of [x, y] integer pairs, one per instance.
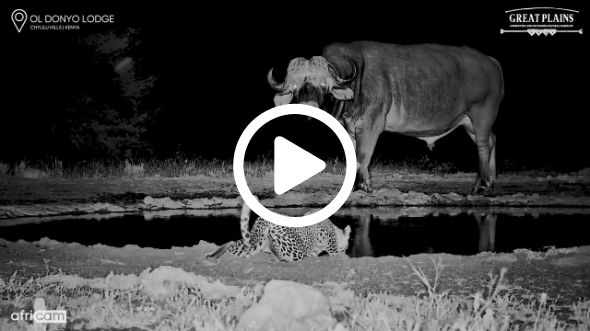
{"points": [[545, 21], [19, 18]]}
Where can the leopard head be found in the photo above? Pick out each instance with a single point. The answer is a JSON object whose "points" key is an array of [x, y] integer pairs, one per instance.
{"points": [[343, 237]]}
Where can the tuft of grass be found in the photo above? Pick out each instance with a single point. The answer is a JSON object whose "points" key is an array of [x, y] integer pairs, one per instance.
{"points": [[24, 170], [494, 308], [4, 169], [132, 170]]}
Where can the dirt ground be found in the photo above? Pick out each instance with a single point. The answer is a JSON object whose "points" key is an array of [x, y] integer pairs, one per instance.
{"points": [[565, 275], [18, 191]]}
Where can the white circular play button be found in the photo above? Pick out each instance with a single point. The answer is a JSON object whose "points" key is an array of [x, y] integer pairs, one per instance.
{"points": [[294, 165]]}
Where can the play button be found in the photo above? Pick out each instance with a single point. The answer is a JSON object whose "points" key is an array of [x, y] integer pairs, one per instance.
{"points": [[293, 165]]}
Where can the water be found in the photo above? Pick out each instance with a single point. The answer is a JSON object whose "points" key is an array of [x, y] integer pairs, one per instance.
{"points": [[399, 231]]}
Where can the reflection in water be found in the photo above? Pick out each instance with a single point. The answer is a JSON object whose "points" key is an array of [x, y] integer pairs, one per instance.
{"points": [[403, 231], [382, 231], [361, 242], [361, 245], [486, 221]]}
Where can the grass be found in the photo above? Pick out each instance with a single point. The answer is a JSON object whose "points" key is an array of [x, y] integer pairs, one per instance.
{"points": [[182, 167], [186, 308]]}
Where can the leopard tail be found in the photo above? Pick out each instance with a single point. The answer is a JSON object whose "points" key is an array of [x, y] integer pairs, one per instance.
{"points": [[245, 222], [219, 252]]}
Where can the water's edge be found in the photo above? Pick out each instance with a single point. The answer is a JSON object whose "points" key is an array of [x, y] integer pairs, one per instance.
{"points": [[383, 231]]}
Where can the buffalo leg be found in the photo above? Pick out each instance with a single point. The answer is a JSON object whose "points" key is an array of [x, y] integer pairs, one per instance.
{"points": [[480, 132], [493, 170], [362, 244], [487, 231], [349, 126], [367, 133]]}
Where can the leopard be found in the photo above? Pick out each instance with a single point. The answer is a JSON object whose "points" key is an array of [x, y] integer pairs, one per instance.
{"points": [[286, 244]]}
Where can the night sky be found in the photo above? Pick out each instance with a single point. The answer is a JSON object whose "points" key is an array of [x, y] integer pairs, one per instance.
{"points": [[212, 62]]}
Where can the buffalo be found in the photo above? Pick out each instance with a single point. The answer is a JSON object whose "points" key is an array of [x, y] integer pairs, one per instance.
{"points": [[424, 91]]}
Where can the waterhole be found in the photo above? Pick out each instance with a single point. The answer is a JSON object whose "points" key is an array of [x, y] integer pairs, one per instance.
{"points": [[399, 231]]}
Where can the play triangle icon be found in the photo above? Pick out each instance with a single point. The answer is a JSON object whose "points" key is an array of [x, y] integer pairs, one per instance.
{"points": [[293, 165]]}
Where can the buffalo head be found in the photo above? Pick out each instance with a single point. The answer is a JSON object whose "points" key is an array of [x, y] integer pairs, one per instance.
{"points": [[309, 81]]}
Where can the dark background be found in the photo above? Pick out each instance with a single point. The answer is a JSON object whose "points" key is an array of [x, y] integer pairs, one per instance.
{"points": [[212, 62]]}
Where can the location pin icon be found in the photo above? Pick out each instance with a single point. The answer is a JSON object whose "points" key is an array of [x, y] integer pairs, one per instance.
{"points": [[19, 18]]}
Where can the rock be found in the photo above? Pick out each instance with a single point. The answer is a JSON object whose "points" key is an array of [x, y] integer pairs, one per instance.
{"points": [[530, 173], [571, 261], [288, 305], [585, 173], [416, 198], [535, 197], [564, 178], [163, 202], [166, 281], [518, 199], [583, 250], [508, 258], [195, 204]]}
